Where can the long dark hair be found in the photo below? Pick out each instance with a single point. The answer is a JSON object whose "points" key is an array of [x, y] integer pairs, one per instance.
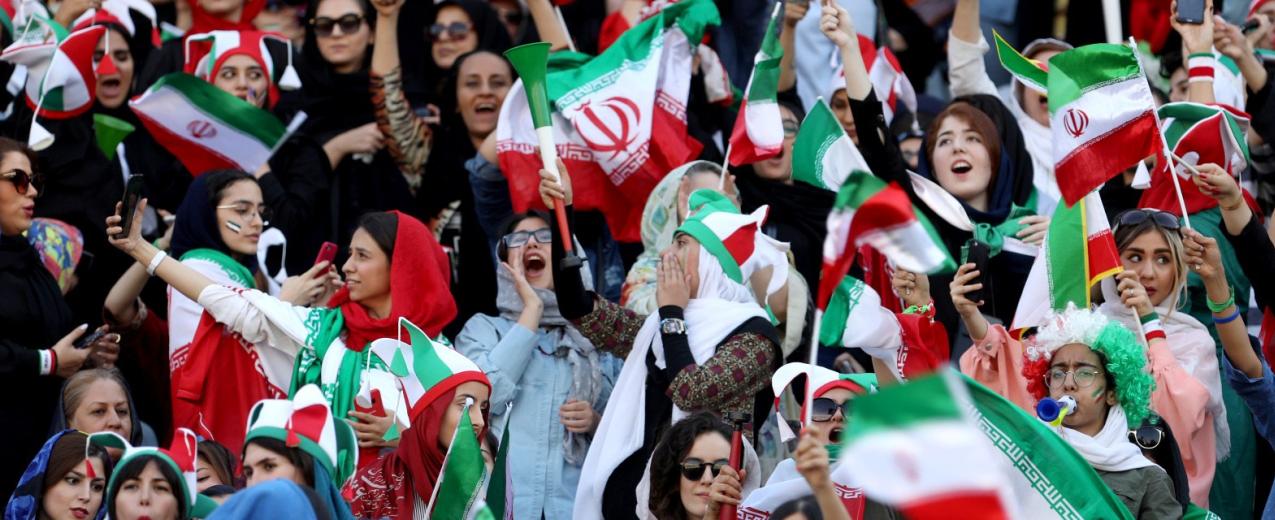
{"points": [[219, 459], [382, 226], [666, 462], [133, 469], [302, 460], [68, 453], [805, 506], [448, 106]]}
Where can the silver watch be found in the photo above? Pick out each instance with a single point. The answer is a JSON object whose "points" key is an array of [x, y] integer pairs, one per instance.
{"points": [[672, 326]]}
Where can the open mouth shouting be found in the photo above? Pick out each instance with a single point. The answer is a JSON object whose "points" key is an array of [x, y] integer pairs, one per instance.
{"points": [[961, 167], [534, 264]]}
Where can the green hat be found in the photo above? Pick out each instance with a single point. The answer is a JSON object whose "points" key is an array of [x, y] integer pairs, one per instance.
{"points": [[179, 457], [306, 422], [734, 239]]}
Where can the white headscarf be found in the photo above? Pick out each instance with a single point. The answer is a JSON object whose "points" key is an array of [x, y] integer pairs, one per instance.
{"points": [[1110, 450]]}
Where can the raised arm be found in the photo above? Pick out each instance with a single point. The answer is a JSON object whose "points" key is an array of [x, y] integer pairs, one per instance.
{"points": [[794, 11], [410, 139], [836, 24], [1203, 257], [185, 280], [967, 74], [547, 24], [1198, 40]]}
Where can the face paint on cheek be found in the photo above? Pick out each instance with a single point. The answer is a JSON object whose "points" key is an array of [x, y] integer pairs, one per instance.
{"points": [[1097, 392]]}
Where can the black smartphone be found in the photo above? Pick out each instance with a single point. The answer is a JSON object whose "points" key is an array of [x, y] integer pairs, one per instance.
{"points": [[132, 195], [1191, 11], [979, 254], [88, 339]]}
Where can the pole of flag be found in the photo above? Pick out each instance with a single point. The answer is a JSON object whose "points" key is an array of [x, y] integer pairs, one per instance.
{"points": [[531, 61], [293, 125], [1168, 152], [813, 361], [1111, 19], [721, 183]]}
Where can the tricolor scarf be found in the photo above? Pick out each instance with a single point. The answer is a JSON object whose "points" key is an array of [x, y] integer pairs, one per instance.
{"points": [[419, 279]]}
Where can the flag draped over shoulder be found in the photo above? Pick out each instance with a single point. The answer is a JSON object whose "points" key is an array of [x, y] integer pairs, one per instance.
{"points": [[759, 131], [823, 155], [1078, 252], [868, 211], [458, 494], [1198, 134], [619, 118], [1101, 116], [206, 127]]}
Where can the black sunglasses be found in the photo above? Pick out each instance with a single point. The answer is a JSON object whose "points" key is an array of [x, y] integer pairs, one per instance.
{"points": [[1134, 217], [22, 180], [693, 469], [1147, 437], [520, 238], [325, 26], [822, 409], [454, 30]]}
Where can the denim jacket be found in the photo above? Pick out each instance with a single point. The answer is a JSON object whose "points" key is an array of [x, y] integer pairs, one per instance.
{"points": [[1259, 395], [544, 483]]}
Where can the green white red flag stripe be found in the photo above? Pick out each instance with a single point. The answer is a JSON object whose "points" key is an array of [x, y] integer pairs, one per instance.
{"points": [[870, 212], [459, 491], [1101, 116], [823, 155], [1197, 134], [1078, 252], [916, 448], [759, 131], [888, 80], [205, 127], [1029, 72], [68, 86]]}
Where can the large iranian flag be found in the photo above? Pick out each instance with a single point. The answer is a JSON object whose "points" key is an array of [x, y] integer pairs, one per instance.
{"points": [[870, 212], [205, 127], [1101, 116], [914, 447], [459, 492], [1198, 134], [1078, 252], [759, 130], [823, 155], [618, 118]]}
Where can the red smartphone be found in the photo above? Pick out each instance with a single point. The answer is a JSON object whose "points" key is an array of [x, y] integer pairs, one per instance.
{"points": [[327, 253]]}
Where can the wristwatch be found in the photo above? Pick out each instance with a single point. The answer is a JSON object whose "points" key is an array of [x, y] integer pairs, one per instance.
{"points": [[672, 326]]}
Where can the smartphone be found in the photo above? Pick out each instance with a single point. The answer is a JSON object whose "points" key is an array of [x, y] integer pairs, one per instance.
{"points": [[1191, 11], [978, 255], [327, 253], [88, 339], [132, 195]]}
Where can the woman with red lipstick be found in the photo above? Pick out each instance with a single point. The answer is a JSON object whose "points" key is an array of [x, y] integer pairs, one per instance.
{"points": [[395, 270], [556, 379], [38, 324], [65, 481]]}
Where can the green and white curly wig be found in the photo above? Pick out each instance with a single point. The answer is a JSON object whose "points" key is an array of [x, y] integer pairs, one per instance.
{"points": [[1122, 355]]}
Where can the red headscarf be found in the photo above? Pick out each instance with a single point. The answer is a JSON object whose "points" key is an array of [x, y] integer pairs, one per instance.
{"points": [[419, 289], [202, 22], [394, 482]]}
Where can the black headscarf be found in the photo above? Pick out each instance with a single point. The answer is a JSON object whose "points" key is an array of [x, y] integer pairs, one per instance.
{"points": [[334, 102], [1013, 183], [421, 76], [197, 221]]}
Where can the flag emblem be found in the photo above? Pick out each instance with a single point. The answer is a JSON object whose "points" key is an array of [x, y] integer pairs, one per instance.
{"points": [[200, 129], [624, 110], [1076, 121]]}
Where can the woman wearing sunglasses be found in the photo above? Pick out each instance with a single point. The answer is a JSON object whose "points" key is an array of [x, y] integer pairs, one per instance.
{"points": [[39, 328], [1101, 365], [689, 471], [557, 381]]}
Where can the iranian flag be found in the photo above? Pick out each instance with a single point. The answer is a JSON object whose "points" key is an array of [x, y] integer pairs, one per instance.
{"points": [[1078, 252], [205, 127], [500, 490], [759, 131], [459, 491], [870, 212], [619, 118], [823, 155], [915, 447], [1198, 134], [889, 81], [1101, 116]]}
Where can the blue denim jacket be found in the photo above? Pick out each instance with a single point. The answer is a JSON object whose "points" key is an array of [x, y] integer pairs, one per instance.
{"points": [[515, 361], [1259, 395]]}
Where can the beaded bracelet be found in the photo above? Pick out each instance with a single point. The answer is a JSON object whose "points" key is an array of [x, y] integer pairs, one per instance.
{"points": [[920, 309], [1219, 307], [1222, 321]]}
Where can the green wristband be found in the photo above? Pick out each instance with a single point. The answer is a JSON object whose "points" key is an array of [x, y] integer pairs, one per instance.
{"points": [[1219, 307]]}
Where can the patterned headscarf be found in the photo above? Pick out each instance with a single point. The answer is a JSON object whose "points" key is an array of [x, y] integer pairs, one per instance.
{"points": [[60, 246]]}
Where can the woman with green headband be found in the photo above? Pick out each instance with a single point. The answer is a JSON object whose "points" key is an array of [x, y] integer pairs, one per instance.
{"points": [[154, 483]]}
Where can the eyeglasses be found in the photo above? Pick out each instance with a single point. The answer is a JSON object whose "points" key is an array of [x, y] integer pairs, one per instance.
{"points": [[693, 469], [1134, 217], [1147, 437], [325, 26], [520, 238], [1084, 377], [246, 210], [823, 409], [23, 180], [452, 31]]}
